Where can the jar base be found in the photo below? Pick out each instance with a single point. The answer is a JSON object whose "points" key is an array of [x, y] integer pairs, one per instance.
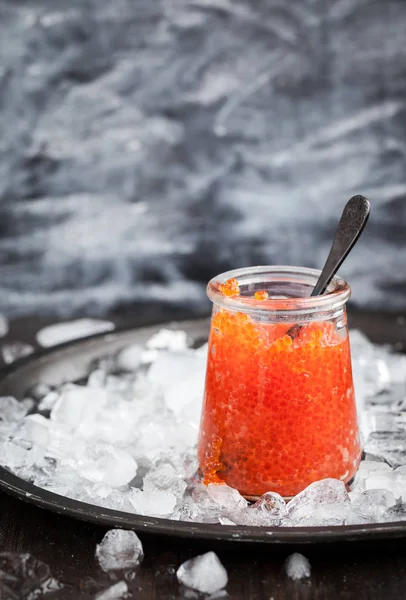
{"points": [[287, 498], [255, 498]]}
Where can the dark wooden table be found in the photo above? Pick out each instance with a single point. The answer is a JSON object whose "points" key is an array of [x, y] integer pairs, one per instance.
{"points": [[349, 571]]}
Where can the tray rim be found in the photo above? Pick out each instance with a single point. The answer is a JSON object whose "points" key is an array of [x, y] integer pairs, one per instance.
{"points": [[34, 495]]}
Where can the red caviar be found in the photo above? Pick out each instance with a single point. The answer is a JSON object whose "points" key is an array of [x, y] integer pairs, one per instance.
{"points": [[279, 413], [261, 295], [230, 287]]}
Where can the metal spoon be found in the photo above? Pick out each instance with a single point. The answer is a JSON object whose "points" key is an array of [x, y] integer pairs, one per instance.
{"points": [[353, 220]]}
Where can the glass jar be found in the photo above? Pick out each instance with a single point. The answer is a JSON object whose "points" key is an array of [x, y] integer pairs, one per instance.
{"points": [[279, 408]]}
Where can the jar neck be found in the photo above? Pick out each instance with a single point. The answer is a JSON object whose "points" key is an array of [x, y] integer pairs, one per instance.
{"points": [[288, 288]]}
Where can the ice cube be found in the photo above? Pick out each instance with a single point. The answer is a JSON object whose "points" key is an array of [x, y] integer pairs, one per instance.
{"points": [[317, 494], [226, 497], [160, 434], [170, 368], [63, 476], [39, 390], [322, 516], [154, 504], [367, 469], [356, 519], [105, 496], [104, 463], [78, 488], [182, 435], [396, 365], [386, 481], [115, 592], [123, 385], [93, 461], [62, 445], [186, 397], [204, 503], [3, 326], [377, 377], [60, 479], [130, 358], [12, 410], [385, 419], [149, 356], [187, 511], [72, 330], [163, 477], [97, 378], [78, 405], [204, 573], [369, 369], [360, 344], [119, 550], [297, 567], [23, 576], [48, 401], [394, 481], [272, 504], [372, 504], [188, 464], [225, 521], [35, 429], [168, 339], [389, 446], [151, 441], [395, 513], [16, 455], [115, 422], [15, 350], [268, 511]]}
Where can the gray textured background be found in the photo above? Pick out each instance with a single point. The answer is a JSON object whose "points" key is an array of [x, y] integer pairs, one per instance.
{"points": [[146, 145]]}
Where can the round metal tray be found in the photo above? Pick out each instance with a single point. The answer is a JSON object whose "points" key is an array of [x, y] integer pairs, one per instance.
{"points": [[72, 362]]}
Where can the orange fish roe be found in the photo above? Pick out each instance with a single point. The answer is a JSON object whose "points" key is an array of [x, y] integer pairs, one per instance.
{"points": [[278, 413], [230, 287], [261, 295], [212, 462]]}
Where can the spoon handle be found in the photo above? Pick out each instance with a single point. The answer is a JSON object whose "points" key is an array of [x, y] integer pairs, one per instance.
{"points": [[353, 220]]}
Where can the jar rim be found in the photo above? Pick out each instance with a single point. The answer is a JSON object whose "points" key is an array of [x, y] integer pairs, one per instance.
{"points": [[337, 294]]}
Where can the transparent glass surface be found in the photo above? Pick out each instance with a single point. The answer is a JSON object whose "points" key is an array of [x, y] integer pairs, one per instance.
{"points": [[279, 409]]}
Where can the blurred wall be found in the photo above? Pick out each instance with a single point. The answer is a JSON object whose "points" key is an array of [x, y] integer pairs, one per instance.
{"points": [[146, 145]]}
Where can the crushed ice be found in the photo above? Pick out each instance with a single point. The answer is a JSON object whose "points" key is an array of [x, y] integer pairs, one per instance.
{"points": [[204, 573], [297, 567], [72, 330], [119, 550], [126, 437], [23, 576], [13, 351]]}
